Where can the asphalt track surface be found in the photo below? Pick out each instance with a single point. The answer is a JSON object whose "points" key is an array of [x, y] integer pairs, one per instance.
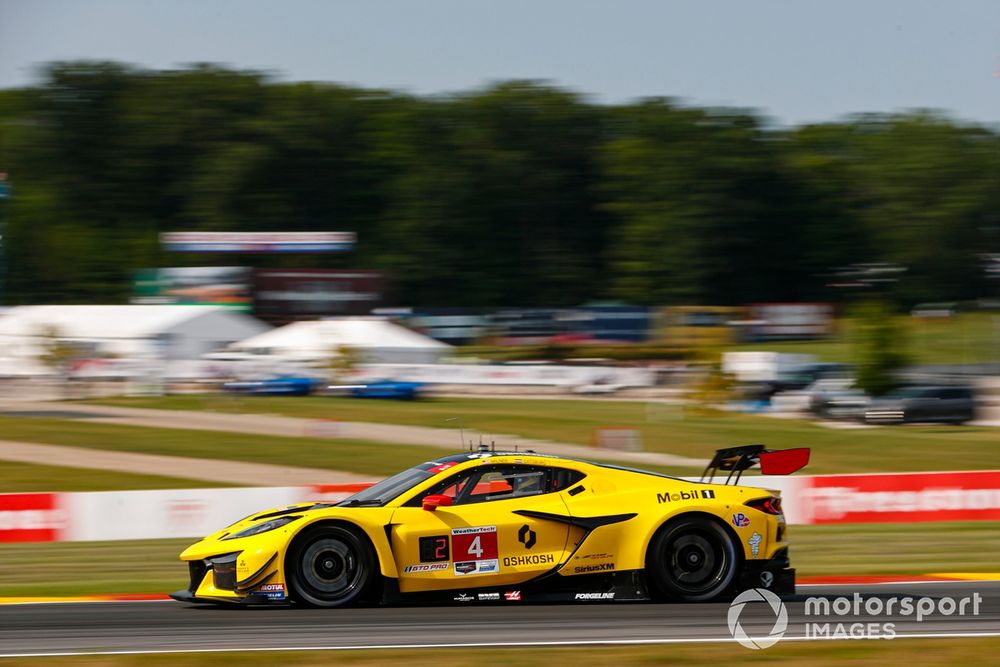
{"points": [[168, 626]]}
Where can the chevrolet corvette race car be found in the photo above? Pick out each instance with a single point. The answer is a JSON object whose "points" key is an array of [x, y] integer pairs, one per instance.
{"points": [[510, 527]]}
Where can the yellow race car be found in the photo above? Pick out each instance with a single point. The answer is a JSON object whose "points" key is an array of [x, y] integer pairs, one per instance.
{"points": [[488, 526]]}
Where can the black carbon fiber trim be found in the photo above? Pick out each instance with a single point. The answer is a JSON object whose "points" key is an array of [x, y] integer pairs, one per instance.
{"points": [[251, 580], [586, 522]]}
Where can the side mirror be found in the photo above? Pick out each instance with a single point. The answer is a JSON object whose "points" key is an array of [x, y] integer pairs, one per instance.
{"points": [[431, 503]]}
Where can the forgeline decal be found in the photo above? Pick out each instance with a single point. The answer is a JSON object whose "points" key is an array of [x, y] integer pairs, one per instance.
{"points": [[426, 567], [597, 567], [754, 543], [477, 567], [684, 495], [741, 520], [534, 559], [273, 591], [594, 596]]}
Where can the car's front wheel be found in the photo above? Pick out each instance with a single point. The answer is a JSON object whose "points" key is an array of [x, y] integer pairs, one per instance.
{"points": [[330, 565], [692, 559]]}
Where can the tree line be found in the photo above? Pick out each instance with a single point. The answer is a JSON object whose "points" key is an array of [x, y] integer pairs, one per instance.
{"points": [[521, 193]]}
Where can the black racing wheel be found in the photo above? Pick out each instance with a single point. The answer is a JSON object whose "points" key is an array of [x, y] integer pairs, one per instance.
{"points": [[692, 560], [330, 565]]}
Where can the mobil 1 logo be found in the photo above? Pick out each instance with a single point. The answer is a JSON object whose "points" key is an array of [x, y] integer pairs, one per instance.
{"points": [[676, 496]]}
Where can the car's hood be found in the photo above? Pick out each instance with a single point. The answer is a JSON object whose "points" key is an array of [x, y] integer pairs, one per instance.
{"points": [[217, 542]]}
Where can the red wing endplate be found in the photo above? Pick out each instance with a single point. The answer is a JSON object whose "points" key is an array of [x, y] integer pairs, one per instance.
{"points": [[784, 461], [735, 460]]}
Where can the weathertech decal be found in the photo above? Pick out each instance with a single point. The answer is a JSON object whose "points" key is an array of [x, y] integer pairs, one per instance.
{"points": [[534, 559], [684, 495], [473, 530]]}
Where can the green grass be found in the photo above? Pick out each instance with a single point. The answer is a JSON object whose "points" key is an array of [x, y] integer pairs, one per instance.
{"points": [[149, 566], [963, 339], [27, 478], [664, 428], [362, 457], [358, 456], [78, 568], [944, 652], [896, 548]]}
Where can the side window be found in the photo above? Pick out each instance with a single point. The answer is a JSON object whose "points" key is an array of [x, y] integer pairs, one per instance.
{"points": [[488, 483], [562, 478], [507, 483], [501, 482]]}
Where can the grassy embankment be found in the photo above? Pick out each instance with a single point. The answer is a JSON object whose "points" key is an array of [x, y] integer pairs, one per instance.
{"points": [[664, 428]]}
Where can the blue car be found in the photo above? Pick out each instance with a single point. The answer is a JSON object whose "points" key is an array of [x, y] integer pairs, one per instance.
{"points": [[278, 386], [405, 391]]}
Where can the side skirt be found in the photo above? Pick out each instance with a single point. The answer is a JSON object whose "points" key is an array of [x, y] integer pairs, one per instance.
{"points": [[627, 586]]}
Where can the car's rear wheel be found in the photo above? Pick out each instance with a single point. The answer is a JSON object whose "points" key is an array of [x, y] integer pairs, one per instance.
{"points": [[692, 559], [330, 565]]}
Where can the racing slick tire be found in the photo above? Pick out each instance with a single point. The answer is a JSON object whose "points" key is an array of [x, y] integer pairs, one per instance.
{"points": [[692, 559], [330, 565]]}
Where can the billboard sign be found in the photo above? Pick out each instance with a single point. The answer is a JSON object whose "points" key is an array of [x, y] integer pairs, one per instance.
{"points": [[295, 294], [253, 242], [228, 286]]}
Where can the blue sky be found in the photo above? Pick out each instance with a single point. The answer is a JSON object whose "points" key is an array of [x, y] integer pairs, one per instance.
{"points": [[796, 61]]}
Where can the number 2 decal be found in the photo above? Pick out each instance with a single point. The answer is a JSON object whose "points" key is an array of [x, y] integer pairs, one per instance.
{"points": [[434, 549]]}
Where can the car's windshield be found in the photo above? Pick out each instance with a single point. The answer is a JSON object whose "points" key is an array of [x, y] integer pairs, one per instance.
{"points": [[378, 494]]}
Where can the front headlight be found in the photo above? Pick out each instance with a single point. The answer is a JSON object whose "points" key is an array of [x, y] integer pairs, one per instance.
{"points": [[263, 527]]}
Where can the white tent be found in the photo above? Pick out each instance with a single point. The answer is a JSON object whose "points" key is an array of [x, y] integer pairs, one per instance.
{"points": [[164, 332], [376, 339]]}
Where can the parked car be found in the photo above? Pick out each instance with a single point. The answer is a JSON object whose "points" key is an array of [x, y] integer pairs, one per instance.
{"points": [[837, 398], [394, 389], [276, 386], [943, 404]]}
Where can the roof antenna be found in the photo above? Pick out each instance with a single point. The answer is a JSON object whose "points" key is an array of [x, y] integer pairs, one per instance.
{"points": [[461, 432]]}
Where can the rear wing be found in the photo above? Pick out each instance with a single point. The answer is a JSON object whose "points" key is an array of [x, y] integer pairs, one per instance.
{"points": [[772, 461]]}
